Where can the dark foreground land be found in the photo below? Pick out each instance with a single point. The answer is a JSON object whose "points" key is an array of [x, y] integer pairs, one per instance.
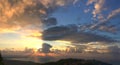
{"points": [[60, 62]]}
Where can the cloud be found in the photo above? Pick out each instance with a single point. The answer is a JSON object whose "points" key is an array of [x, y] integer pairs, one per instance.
{"points": [[67, 34], [61, 29], [98, 6], [15, 15], [114, 49], [114, 14], [90, 2], [108, 28], [105, 24], [96, 47], [46, 48], [50, 21], [79, 48], [49, 3], [86, 10]]}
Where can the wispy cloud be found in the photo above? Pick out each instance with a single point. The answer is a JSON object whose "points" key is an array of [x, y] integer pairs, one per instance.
{"points": [[114, 14], [103, 22], [98, 6]]}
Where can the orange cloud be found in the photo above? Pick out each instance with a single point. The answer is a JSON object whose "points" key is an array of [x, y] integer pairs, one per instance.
{"points": [[42, 11], [18, 14], [13, 14], [98, 6]]}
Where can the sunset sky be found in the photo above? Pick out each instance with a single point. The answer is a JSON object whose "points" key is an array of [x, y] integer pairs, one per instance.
{"points": [[89, 27], [60, 23]]}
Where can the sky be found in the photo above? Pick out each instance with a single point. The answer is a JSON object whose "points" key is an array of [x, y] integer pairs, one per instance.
{"points": [[89, 25]]}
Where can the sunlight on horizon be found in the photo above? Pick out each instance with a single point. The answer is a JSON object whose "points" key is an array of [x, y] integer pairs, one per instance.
{"points": [[45, 29]]}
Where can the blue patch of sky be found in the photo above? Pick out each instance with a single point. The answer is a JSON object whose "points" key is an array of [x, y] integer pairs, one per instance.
{"points": [[73, 15]]}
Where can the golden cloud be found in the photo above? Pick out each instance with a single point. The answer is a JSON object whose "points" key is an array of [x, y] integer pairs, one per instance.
{"points": [[17, 14]]}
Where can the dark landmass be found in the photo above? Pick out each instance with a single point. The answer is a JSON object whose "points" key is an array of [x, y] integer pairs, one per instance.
{"points": [[76, 62], [60, 62], [1, 59], [16, 62]]}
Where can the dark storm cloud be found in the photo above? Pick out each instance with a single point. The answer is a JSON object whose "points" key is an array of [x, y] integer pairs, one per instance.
{"points": [[46, 48], [68, 33], [79, 48], [114, 49], [50, 21]]}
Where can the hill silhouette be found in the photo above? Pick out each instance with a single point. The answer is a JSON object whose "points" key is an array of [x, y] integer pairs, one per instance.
{"points": [[76, 62], [1, 59], [69, 61]]}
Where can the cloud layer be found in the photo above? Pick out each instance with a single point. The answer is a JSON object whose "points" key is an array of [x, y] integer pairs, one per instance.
{"points": [[71, 33]]}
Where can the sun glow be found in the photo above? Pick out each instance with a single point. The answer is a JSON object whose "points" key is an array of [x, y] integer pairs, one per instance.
{"points": [[45, 54], [61, 41], [32, 39], [30, 42]]}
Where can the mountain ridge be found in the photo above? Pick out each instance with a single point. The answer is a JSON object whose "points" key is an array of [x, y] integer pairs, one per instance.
{"points": [[69, 61]]}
